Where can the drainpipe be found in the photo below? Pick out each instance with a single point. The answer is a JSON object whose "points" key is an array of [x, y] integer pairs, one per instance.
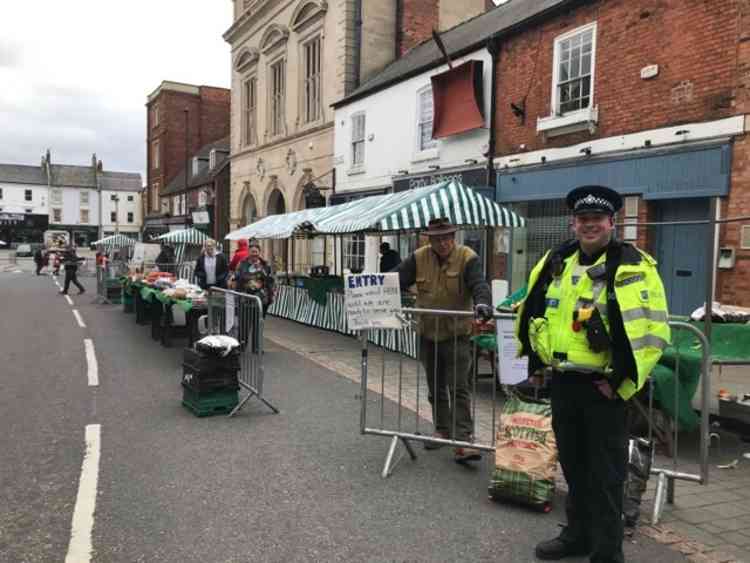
{"points": [[493, 47], [357, 42]]}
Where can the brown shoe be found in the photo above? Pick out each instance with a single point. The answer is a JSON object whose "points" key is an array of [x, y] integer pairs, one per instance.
{"points": [[436, 446], [466, 454]]}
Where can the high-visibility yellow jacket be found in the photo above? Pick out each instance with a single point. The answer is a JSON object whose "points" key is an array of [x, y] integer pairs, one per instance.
{"points": [[639, 330]]}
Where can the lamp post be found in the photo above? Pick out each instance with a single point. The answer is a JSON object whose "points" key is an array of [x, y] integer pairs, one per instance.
{"points": [[117, 214]]}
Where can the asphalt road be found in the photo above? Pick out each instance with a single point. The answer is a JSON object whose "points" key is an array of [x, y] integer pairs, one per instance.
{"points": [[302, 485]]}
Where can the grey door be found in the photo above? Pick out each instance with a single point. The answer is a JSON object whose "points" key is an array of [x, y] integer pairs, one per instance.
{"points": [[681, 252]]}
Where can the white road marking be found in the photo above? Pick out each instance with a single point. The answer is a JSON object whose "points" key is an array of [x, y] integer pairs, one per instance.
{"points": [[93, 367], [80, 546], [79, 320], [69, 300]]}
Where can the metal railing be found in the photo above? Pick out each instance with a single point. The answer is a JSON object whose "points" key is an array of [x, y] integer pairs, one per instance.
{"points": [[665, 488], [402, 384], [241, 316], [439, 386]]}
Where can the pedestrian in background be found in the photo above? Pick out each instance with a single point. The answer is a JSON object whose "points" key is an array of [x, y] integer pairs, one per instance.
{"points": [[39, 260], [239, 255], [211, 269], [70, 262], [595, 320], [448, 276], [254, 276], [165, 261], [389, 258]]}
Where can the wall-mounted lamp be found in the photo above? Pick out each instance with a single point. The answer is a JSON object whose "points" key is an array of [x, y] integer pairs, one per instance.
{"points": [[471, 161], [586, 151], [647, 143], [434, 167], [403, 172], [544, 159], [682, 132], [515, 160]]}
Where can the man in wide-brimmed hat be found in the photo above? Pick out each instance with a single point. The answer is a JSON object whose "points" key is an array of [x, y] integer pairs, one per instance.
{"points": [[448, 276]]}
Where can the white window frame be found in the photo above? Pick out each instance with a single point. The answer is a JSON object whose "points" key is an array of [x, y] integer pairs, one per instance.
{"points": [[422, 152], [131, 198], [249, 114], [353, 142], [56, 196], [29, 193], [57, 215], [277, 100], [155, 160], [111, 215], [745, 237], [1, 193], [311, 111], [131, 217], [84, 196], [156, 115], [350, 253], [84, 216], [578, 120]]}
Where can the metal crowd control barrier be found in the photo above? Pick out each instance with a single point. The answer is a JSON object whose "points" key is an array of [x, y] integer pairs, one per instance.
{"points": [[406, 389], [665, 488], [472, 418], [111, 270], [241, 316]]}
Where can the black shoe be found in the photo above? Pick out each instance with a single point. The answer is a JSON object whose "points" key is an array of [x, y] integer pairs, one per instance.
{"points": [[81, 291], [63, 293], [552, 550]]}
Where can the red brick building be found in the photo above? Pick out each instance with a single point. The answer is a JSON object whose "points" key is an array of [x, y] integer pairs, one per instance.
{"points": [[182, 118], [648, 97]]}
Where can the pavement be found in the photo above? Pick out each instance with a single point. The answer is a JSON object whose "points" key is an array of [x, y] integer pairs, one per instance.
{"points": [[302, 485]]}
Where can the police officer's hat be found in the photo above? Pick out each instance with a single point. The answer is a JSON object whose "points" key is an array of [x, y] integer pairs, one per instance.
{"points": [[594, 199]]}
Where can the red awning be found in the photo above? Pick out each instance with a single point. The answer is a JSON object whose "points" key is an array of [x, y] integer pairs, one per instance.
{"points": [[458, 98]]}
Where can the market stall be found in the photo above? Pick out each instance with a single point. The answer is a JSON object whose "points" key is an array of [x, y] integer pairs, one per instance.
{"points": [[116, 243], [187, 244], [318, 300], [160, 300]]}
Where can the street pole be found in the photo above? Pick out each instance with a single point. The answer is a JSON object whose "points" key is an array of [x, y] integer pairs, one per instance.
{"points": [[117, 214]]}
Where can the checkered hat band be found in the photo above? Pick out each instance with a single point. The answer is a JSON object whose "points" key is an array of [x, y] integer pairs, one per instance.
{"points": [[594, 202]]}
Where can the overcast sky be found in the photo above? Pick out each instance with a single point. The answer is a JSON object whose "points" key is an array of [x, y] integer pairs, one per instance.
{"points": [[74, 74]]}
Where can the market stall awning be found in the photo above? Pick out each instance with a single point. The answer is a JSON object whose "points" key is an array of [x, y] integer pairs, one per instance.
{"points": [[115, 241], [412, 210], [184, 236], [404, 211]]}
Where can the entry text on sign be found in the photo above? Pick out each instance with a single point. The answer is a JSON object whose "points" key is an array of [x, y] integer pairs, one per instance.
{"points": [[372, 301]]}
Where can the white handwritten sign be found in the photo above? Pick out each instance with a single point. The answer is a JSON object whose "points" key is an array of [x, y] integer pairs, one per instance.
{"points": [[372, 301], [511, 370]]}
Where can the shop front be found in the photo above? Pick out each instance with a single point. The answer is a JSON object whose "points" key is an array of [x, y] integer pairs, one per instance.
{"points": [[659, 186], [23, 227]]}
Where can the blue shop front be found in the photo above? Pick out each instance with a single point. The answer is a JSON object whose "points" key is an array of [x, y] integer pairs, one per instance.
{"points": [[659, 185]]}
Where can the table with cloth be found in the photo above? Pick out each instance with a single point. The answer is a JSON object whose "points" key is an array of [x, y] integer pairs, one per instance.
{"points": [[153, 305]]}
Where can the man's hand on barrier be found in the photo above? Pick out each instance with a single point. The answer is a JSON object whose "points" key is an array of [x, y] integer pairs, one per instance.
{"points": [[482, 311], [537, 380]]}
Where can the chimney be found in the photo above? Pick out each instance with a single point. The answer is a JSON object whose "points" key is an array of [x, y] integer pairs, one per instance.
{"points": [[417, 18], [93, 160]]}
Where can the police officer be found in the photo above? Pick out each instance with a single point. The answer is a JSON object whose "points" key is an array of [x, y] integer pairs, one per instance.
{"points": [[448, 276], [595, 320]]}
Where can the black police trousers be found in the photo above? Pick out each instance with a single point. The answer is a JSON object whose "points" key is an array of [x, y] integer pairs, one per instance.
{"points": [[591, 434]]}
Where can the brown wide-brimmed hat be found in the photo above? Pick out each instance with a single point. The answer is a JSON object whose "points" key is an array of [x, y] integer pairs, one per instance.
{"points": [[440, 226]]}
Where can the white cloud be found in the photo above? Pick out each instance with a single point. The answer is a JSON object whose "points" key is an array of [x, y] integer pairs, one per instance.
{"points": [[76, 74]]}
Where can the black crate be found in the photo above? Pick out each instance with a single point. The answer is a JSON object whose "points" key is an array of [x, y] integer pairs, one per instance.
{"points": [[202, 362], [205, 382]]}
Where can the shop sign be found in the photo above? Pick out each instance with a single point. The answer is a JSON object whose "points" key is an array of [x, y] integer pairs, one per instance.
{"points": [[201, 218], [372, 301], [472, 177]]}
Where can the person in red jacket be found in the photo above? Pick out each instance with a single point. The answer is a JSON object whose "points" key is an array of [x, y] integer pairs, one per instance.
{"points": [[239, 255]]}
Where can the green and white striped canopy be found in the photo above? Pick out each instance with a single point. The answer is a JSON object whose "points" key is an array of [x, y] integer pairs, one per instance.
{"points": [[185, 236], [115, 241], [400, 212]]}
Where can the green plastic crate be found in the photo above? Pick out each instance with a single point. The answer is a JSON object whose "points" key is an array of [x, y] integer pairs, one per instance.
{"points": [[209, 403]]}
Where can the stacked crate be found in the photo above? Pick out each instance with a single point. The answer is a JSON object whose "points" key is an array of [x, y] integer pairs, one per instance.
{"points": [[209, 382]]}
